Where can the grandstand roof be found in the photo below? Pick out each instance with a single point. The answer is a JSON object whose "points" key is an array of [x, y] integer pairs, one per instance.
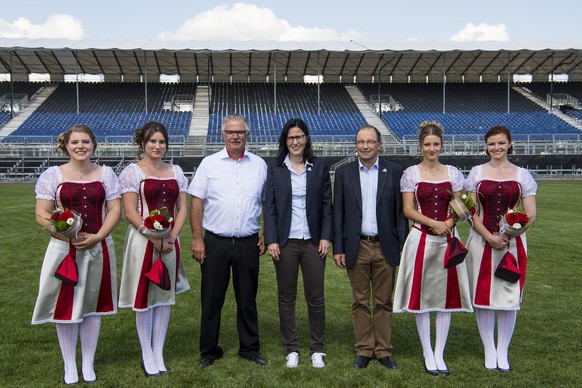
{"points": [[209, 61]]}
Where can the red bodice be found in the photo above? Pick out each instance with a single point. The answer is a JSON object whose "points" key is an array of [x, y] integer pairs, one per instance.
{"points": [[495, 198], [87, 199], [158, 193], [433, 199]]}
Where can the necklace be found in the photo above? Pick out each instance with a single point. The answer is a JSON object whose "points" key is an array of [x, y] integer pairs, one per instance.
{"points": [[431, 171], [153, 166], [81, 176], [499, 168]]}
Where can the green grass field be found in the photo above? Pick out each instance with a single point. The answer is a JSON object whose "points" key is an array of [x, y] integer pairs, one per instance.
{"points": [[546, 348]]}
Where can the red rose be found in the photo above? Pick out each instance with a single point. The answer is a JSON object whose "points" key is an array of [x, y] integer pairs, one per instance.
{"points": [[523, 218], [512, 218], [65, 215], [165, 224], [55, 216], [149, 222], [159, 218]]}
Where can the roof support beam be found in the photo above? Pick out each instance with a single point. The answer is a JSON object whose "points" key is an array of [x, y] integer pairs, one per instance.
{"points": [[42, 62], [97, 61], [58, 62]]}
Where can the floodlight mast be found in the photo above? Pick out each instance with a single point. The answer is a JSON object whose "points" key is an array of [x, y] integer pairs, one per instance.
{"points": [[380, 54], [9, 68]]}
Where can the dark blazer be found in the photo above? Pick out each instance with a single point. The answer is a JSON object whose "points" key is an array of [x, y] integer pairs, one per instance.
{"points": [[277, 216], [392, 225]]}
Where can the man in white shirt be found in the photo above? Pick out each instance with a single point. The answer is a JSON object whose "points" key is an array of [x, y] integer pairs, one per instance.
{"points": [[226, 201]]}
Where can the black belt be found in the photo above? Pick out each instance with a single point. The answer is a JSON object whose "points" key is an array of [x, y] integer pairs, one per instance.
{"points": [[369, 238], [216, 236]]}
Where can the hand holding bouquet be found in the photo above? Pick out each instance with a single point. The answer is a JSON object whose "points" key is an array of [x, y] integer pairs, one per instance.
{"points": [[66, 222], [158, 223], [462, 207], [513, 223]]}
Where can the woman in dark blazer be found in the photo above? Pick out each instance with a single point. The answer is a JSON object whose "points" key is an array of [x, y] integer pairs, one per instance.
{"points": [[298, 224]]}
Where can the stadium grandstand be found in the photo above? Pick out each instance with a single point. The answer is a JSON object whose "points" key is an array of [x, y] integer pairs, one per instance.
{"points": [[335, 89]]}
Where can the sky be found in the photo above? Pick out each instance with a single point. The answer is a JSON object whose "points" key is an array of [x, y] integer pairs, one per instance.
{"points": [[296, 20]]}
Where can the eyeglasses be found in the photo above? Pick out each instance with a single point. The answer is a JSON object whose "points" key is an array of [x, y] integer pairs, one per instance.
{"points": [[300, 139], [369, 143], [228, 132]]}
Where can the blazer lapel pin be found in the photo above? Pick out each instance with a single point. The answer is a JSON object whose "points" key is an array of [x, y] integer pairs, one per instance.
{"points": [[308, 168], [384, 170]]}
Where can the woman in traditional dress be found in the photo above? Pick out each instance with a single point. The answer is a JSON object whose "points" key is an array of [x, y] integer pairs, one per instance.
{"points": [[147, 185], [298, 231], [423, 283], [92, 191], [497, 186]]}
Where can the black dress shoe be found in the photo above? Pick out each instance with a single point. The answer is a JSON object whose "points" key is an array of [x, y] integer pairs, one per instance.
{"points": [[388, 362], [205, 362], [145, 372], [504, 370], [430, 372], [444, 371], [361, 362], [257, 360]]}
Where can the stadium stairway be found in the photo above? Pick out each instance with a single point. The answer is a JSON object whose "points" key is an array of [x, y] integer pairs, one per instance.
{"points": [[541, 102], [388, 138], [21, 117], [199, 123]]}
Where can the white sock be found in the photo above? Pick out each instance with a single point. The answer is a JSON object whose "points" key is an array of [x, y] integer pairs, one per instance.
{"points": [[486, 325], [143, 322], [161, 319], [423, 328], [67, 333], [443, 322], [505, 326], [89, 333]]}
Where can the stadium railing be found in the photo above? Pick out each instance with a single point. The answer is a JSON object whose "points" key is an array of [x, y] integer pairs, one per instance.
{"points": [[326, 145]]}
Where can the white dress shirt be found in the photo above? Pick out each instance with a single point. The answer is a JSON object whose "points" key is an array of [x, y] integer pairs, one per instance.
{"points": [[233, 192]]}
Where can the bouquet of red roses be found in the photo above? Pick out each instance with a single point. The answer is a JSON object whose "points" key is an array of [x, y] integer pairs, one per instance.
{"points": [[513, 223], [66, 222], [158, 223]]}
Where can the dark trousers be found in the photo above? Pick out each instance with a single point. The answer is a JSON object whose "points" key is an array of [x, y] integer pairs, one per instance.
{"points": [[222, 253], [302, 253]]}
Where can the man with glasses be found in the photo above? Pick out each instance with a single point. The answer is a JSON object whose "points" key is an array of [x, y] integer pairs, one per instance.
{"points": [[370, 230], [227, 192]]}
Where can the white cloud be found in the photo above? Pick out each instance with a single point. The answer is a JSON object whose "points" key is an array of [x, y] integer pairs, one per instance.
{"points": [[481, 33], [56, 26], [243, 21]]}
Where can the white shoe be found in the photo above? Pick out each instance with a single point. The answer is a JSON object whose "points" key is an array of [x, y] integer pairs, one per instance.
{"points": [[292, 360], [317, 360]]}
